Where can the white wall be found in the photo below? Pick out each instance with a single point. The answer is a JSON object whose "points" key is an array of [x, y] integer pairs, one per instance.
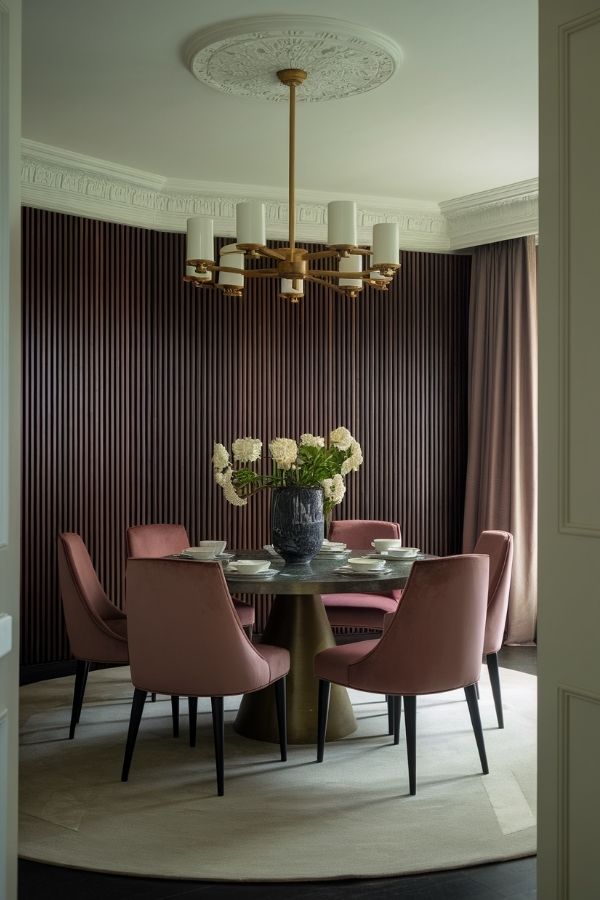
{"points": [[10, 227]]}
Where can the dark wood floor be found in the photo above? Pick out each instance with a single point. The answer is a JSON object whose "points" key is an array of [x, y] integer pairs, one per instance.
{"points": [[499, 881]]}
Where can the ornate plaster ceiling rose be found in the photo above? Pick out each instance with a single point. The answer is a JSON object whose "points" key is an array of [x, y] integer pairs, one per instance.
{"points": [[243, 56]]}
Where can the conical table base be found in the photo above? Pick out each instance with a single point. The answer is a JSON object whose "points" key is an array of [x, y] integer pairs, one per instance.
{"points": [[299, 623]]}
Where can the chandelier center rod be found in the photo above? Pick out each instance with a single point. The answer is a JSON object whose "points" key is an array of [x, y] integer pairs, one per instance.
{"points": [[292, 78]]}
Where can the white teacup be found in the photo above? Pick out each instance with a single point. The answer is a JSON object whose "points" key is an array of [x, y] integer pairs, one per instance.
{"points": [[366, 563], [250, 566], [217, 546], [382, 545], [200, 552]]}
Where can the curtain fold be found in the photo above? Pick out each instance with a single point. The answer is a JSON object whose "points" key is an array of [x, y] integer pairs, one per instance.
{"points": [[501, 485]]}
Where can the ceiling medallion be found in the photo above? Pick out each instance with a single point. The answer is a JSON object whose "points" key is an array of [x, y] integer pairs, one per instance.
{"points": [[243, 56]]}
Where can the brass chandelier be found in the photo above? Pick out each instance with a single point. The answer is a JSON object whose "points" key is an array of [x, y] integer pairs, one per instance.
{"points": [[351, 266]]}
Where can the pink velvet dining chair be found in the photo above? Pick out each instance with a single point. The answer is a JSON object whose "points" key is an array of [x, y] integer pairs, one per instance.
{"points": [[361, 610], [432, 644], [186, 639], [154, 541], [498, 545], [97, 629]]}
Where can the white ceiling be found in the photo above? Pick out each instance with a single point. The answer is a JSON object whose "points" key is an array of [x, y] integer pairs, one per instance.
{"points": [[106, 78]]}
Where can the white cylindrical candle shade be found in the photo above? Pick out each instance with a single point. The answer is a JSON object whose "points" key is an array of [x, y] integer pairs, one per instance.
{"points": [[352, 263], [200, 239], [250, 222], [236, 261], [287, 287], [386, 244], [341, 223]]}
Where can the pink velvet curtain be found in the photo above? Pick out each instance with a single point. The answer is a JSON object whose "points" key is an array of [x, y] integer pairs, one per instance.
{"points": [[501, 491]]}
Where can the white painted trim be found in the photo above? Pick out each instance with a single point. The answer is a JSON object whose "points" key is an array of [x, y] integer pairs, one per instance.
{"points": [[64, 181]]}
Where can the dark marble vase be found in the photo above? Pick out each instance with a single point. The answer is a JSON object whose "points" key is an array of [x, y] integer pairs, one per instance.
{"points": [[297, 522]]}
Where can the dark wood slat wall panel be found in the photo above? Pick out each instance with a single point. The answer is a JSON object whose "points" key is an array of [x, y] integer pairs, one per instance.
{"points": [[129, 376]]}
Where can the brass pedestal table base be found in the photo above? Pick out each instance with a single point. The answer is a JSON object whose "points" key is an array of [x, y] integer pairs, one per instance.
{"points": [[299, 623]]}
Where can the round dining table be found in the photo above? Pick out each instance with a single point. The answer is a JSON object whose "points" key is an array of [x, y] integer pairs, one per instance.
{"points": [[299, 623]]}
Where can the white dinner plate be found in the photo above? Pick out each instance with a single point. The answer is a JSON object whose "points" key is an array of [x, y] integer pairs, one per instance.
{"points": [[260, 576], [334, 553], [348, 570]]}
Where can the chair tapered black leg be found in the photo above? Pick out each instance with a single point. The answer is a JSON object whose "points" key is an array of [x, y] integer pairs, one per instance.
{"points": [[492, 664], [410, 726], [280, 703], [324, 692], [476, 723], [175, 715], [390, 706], [219, 737], [81, 674], [88, 666], [397, 709], [193, 716], [153, 696], [137, 708], [477, 690]]}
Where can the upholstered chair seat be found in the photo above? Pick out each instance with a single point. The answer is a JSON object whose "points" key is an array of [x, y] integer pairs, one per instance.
{"points": [[97, 629], [433, 643], [155, 541], [186, 639], [361, 610]]}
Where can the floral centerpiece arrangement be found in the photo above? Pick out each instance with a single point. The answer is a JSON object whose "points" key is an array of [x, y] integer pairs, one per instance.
{"points": [[307, 478], [307, 463]]}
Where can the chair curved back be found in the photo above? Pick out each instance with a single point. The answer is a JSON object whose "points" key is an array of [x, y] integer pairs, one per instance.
{"points": [[435, 639], [498, 545], [357, 534], [184, 635], [86, 607], [153, 541]]}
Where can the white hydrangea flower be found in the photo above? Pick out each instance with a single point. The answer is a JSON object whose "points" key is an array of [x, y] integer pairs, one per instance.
{"points": [[230, 492], [284, 452], [354, 460], [246, 449], [338, 490], [334, 489], [341, 438], [220, 458], [220, 478], [311, 440]]}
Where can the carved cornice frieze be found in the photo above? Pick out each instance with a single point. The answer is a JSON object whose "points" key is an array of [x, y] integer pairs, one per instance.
{"points": [[68, 182]]}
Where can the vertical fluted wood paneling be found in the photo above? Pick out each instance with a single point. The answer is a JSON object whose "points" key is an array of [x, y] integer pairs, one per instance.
{"points": [[129, 376]]}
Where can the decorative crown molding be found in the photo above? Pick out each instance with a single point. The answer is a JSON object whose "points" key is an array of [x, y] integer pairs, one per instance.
{"points": [[63, 181], [495, 215]]}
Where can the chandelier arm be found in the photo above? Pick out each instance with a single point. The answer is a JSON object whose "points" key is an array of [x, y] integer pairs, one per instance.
{"points": [[260, 273], [268, 253], [327, 284], [247, 273], [322, 254], [337, 274]]}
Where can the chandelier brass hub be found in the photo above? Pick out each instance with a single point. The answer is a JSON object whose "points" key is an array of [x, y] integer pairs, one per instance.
{"points": [[291, 77]]}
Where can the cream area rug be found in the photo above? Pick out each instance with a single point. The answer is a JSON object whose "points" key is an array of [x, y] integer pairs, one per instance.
{"points": [[350, 816]]}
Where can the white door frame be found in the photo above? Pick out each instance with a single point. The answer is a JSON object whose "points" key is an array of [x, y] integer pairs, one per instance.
{"points": [[10, 404]]}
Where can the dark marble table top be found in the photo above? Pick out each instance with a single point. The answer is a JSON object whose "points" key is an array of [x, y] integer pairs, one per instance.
{"points": [[318, 576]]}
